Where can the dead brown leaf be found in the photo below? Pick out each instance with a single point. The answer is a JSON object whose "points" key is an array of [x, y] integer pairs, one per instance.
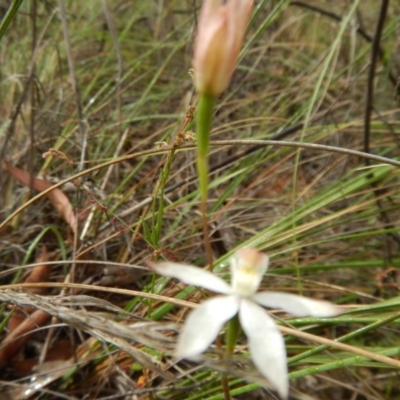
{"points": [[59, 352], [21, 323], [41, 273], [53, 368], [57, 197], [12, 344]]}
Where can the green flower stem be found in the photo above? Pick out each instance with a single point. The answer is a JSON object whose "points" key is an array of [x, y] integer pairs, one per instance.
{"points": [[204, 117], [232, 334]]}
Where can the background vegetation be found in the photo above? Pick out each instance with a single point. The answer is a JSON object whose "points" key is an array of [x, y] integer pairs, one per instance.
{"points": [[102, 89]]}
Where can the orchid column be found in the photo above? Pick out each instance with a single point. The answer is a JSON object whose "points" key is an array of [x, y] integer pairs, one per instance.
{"points": [[219, 39]]}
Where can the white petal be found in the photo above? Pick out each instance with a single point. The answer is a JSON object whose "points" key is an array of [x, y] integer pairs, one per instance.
{"points": [[203, 324], [266, 345], [247, 268], [192, 276], [297, 305]]}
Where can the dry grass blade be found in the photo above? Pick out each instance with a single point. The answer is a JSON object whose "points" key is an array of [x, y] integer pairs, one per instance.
{"points": [[101, 327]]}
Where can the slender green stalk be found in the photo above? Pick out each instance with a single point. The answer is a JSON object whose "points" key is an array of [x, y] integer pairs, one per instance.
{"points": [[10, 15], [203, 128], [232, 334], [158, 214]]}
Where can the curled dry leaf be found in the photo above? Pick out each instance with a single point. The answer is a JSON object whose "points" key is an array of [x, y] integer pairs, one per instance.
{"points": [[21, 334], [21, 323], [57, 197], [40, 273], [41, 375], [58, 353], [18, 316]]}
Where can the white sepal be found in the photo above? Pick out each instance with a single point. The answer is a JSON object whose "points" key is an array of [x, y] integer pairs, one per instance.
{"points": [[266, 345], [192, 276], [296, 305], [203, 325]]}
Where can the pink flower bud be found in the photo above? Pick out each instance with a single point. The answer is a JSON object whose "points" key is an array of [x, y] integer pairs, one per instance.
{"points": [[219, 39]]}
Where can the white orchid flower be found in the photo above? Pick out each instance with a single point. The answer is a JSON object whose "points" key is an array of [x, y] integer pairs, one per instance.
{"points": [[266, 344]]}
